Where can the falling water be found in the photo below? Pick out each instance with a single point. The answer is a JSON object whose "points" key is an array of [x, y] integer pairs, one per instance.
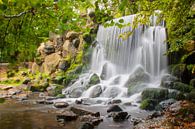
{"points": [[125, 66]]}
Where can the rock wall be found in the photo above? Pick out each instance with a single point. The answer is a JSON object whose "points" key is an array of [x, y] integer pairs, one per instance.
{"points": [[57, 52]]}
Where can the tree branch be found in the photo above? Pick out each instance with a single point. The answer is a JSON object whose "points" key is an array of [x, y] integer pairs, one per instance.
{"points": [[17, 15]]}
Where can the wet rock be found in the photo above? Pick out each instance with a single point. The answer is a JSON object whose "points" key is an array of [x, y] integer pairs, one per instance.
{"points": [[127, 104], [76, 92], [138, 77], [176, 95], [165, 104], [42, 95], [91, 119], [78, 101], [104, 72], [86, 126], [115, 101], [155, 93], [168, 80], [181, 87], [48, 102], [41, 101], [136, 121], [155, 115], [26, 81], [119, 116], [149, 104], [81, 112], [114, 108], [97, 90], [112, 92], [67, 116], [116, 80], [94, 80], [49, 98], [61, 104]]}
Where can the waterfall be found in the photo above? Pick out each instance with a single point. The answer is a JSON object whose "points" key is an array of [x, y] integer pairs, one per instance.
{"points": [[125, 66]]}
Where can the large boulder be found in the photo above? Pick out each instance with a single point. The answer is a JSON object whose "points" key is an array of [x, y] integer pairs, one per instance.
{"points": [[119, 116], [155, 93], [112, 92], [114, 108], [96, 91], [138, 77], [94, 80], [51, 62], [181, 87], [181, 72], [75, 92]]}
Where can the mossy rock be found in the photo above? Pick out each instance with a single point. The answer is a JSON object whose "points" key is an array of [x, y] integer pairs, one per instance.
{"points": [[58, 90], [176, 95], [60, 96], [94, 80], [191, 96], [192, 82], [155, 94], [2, 100], [149, 104], [181, 87], [39, 88]]}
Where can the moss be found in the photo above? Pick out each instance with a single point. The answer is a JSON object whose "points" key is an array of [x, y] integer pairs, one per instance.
{"points": [[2, 100], [60, 96], [148, 104], [181, 87], [155, 93], [58, 90]]}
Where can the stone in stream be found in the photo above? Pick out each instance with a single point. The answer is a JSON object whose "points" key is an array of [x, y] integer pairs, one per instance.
{"points": [[41, 101], [114, 108], [78, 101], [91, 119], [67, 116], [119, 116], [14, 91], [61, 104], [86, 125], [115, 101], [80, 111]]}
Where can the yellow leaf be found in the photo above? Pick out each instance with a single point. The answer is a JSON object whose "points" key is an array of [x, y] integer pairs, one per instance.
{"points": [[1, 2]]}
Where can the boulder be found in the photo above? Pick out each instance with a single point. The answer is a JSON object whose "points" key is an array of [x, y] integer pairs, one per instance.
{"points": [[103, 75], [48, 49], [64, 65], [114, 108], [80, 111], [61, 104], [94, 80], [155, 93], [181, 87], [149, 104], [165, 104], [97, 90], [76, 42], [119, 116], [112, 92], [51, 62], [72, 35], [168, 80], [91, 119], [192, 82], [76, 92], [181, 72], [138, 77], [115, 101], [86, 125], [176, 95], [67, 116]]}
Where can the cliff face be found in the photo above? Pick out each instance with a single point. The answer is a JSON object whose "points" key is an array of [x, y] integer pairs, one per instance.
{"points": [[58, 53]]}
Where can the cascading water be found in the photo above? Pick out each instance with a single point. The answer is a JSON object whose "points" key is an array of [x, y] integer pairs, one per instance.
{"points": [[125, 66]]}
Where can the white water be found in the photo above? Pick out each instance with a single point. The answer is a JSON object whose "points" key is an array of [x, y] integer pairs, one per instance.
{"points": [[139, 60]]}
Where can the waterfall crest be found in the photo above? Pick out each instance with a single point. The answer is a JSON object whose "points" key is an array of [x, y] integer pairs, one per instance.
{"points": [[125, 66]]}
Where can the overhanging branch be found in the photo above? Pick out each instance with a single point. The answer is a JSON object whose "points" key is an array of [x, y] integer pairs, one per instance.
{"points": [[19, 15]]}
